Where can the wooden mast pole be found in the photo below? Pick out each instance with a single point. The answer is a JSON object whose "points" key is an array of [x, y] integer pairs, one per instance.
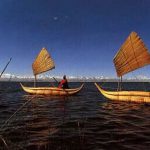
{"points": [[118, 84], [121, 83], [34, 80]]}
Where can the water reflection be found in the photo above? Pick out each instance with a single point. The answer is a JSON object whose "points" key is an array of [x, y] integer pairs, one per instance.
{"points": [[85, 121], [45, 118]]}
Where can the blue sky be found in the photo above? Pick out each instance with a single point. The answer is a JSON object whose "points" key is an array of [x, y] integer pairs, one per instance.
{"points": [[82, 36]]}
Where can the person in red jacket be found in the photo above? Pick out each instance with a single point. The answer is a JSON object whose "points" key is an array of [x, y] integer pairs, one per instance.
{"points": [[64, 83]]}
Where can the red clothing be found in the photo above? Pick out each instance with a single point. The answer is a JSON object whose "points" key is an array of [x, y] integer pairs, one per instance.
{"points": [[62, 83]]}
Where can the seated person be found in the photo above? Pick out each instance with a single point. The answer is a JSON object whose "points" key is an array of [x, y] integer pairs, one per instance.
{"points": [[64, 83]]}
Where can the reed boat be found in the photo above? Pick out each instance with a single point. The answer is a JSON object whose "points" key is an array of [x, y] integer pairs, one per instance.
{"points": [[132, 55], [43, 63], [135, 96], [55, 91]]}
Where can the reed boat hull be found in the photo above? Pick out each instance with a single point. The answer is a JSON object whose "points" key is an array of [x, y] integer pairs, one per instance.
{"points": [[51, 90], [134, 96]]}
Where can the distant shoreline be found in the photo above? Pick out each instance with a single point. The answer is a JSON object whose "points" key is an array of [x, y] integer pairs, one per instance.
{"points": [[75, 80]]}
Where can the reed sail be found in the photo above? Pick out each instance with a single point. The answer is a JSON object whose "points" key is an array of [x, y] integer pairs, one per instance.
{"points": [[41, 64], [132, 55]]}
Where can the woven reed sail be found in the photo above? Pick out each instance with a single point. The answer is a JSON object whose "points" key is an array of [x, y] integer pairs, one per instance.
{"points": [[43, 62], [132, 55]]}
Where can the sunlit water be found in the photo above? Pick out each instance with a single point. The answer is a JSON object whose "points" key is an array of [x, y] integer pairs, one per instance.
{"points": [[86, 121]]}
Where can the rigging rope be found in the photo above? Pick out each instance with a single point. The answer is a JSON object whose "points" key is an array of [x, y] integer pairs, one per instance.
{"points": [[16, 112]]}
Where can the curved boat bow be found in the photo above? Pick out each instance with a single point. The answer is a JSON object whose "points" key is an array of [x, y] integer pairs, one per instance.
{"points": [[135, 96]]}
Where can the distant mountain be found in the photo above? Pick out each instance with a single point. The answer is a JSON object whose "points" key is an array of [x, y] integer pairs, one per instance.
{"points": [[46, 78]]}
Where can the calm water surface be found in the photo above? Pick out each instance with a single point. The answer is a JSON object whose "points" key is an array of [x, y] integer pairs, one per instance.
{"points": [[86, 121]]}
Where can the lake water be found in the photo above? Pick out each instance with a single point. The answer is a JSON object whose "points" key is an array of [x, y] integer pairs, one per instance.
{"points": [[86, 121]]}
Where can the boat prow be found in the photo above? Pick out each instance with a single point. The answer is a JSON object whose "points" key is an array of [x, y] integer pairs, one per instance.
{"points": [[55, 91], [135, 96]]}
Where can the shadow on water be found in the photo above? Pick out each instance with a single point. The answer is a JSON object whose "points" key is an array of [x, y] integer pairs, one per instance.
{"points": [[84, 121]]}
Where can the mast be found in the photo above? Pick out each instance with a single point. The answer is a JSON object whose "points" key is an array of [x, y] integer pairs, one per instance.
{"points": [[119, 84], [35, 81]]}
